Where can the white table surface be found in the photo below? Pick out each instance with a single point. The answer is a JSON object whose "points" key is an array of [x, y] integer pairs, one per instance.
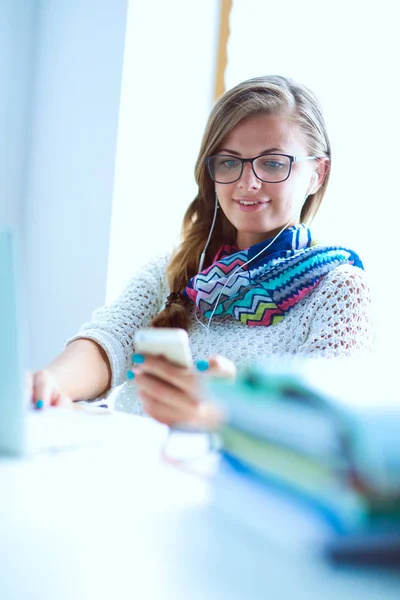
{"points": [[119, 523]]}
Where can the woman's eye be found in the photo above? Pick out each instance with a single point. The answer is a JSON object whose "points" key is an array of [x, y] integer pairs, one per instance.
{"points": [[273, 164], [231, 164]]}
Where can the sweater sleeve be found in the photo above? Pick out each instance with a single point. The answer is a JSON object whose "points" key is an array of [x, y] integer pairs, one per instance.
{"points": [[339, 321], [113, 326]]}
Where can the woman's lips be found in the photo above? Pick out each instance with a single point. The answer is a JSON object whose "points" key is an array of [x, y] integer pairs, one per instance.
{"points": [[251, 204]]}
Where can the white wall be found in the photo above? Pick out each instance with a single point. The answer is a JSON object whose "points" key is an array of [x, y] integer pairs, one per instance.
{"points": [[74, 122], [17, 49], [167, 94], [61, 64]]}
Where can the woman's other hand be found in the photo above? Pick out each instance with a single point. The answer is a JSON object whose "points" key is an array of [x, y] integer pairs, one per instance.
{"points": [[46, 392], [172, 394]]}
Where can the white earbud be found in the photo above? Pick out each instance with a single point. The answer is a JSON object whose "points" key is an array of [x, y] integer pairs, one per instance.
{"points": [[314, 181]]}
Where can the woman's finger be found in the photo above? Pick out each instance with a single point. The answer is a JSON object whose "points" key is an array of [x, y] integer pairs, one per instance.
{"points": [[180, 377], [163, 391], [165, 413], [42, 389], [220, 366], [62, 401]]}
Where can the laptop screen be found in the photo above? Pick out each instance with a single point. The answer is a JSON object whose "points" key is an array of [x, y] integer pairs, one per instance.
{"points": [[12, 347]]}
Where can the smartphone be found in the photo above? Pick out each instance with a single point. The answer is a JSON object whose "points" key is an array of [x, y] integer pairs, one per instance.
{"points": [[173, 343]]}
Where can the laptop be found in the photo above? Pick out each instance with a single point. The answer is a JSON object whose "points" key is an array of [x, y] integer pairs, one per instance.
{"points": [[13, 356], [23, 429]]}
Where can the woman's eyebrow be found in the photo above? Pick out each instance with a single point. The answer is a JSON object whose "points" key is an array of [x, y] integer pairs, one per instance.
{"points": [[234, 153]]}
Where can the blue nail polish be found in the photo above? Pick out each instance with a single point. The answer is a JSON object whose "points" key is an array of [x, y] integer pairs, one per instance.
{"points": [[202, 365], [138, 358], [130, 375], [39, 404]]}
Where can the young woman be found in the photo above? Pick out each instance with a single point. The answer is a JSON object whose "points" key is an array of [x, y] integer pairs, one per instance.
{"points": [[248, 280]]}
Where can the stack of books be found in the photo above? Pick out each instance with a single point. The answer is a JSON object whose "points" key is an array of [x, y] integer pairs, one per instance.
{"points": [[325, 433]]}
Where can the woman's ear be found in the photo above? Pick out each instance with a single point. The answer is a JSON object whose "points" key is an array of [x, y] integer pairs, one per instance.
{"points": [[318, 177], [314, 182]]}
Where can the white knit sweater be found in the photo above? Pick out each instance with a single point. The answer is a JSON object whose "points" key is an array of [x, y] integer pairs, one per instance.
{"points": [[333, 320]]}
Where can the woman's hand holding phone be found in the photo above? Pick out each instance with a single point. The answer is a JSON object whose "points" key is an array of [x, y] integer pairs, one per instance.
{"points": [[172, 393]]}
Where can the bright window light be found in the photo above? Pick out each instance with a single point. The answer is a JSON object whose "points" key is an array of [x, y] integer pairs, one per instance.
{"points": [[347, 53]]}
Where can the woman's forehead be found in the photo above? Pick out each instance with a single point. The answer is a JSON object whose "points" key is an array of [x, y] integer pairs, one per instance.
{"points": [[267, 132]]}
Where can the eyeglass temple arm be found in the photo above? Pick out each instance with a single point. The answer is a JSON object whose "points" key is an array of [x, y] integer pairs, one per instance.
{"points": [[299, 158]]}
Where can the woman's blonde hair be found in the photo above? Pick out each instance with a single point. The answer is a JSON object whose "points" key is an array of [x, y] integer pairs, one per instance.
{"points": [[261, 95]]}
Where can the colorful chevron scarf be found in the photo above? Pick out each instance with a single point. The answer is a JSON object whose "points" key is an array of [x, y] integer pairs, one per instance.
{"points": [[263, 291]]}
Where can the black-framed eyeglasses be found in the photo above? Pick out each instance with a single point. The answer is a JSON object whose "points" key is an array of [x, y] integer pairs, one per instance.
{"points": [[269, 167]]}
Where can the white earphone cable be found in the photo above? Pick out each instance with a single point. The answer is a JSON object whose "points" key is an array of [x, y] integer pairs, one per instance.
{"points": [[203, 254], [240, 267]]}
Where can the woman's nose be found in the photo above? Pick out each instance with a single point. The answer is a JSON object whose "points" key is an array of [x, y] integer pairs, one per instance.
{"points": [[249, 180]]}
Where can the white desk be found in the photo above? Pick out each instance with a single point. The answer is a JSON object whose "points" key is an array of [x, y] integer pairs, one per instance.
{"points": [[94, 524]]}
